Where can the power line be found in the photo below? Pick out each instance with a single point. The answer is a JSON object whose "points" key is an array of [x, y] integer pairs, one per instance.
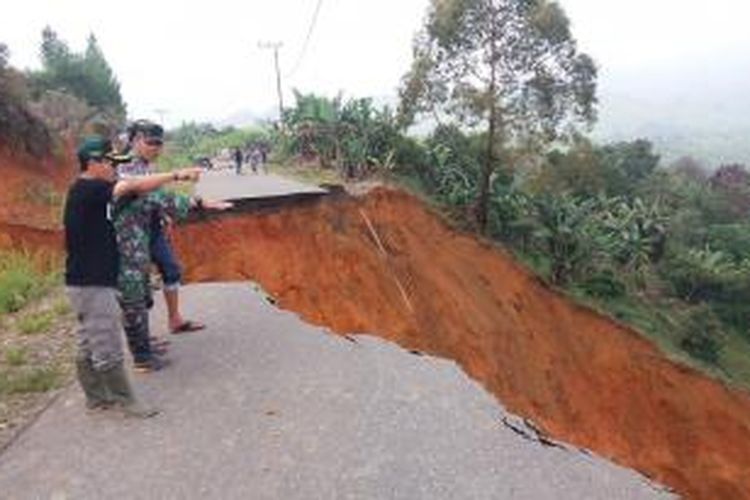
{"points": [[310, 30]]}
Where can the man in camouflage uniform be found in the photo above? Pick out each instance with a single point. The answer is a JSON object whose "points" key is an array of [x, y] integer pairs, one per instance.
{"points": [[137, 221], [133, 219], [146, 138]]}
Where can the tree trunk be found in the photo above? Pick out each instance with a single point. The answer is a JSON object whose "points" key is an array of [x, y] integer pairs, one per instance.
{"points": [[483, 195], [481, 208]]}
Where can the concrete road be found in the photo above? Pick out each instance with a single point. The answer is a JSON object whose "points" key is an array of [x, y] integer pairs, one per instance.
{"points": [[263, 406], [226, 185]]}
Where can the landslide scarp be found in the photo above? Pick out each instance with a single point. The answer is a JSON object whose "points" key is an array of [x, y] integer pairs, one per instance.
{"points": [[386, 265]]}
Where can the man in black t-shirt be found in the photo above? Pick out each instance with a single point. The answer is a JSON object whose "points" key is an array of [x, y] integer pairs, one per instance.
{"points": [[91, 271]]}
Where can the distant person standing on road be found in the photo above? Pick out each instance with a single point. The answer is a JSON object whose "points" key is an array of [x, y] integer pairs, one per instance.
{"points": [[264, 158], [255, 159], [91, 271], [237, 155]]}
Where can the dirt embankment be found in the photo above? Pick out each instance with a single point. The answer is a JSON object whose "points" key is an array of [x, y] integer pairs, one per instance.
{"points": [[583, 378], [32, 189], [19, 236]]}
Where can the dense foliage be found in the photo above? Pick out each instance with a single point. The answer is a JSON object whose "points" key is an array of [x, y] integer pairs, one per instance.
{"points": [[352, 136], [85, 77]]}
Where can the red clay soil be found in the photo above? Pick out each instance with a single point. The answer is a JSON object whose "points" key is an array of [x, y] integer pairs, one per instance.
{"points": [[21, 237], [31, 189], [581, 377]]}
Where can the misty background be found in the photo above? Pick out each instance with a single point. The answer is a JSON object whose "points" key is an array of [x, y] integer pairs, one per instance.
{"points": [[671, 71]]}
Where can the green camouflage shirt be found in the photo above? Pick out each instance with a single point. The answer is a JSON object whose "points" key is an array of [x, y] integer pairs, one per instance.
{"points": [[133, 217]]}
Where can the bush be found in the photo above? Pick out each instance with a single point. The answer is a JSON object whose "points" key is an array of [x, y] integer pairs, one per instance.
{"points": [[20, 281], [703, 338], [603, 285], [700, 275]]}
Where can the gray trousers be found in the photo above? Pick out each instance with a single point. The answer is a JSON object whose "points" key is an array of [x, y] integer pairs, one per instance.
{"points": [[99, 325]]}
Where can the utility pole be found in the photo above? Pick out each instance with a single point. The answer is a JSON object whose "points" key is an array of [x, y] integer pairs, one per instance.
{"points": [[276, 46]]}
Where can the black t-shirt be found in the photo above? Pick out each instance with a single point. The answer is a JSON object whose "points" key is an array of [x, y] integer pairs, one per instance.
{"points": [[89, 235]]}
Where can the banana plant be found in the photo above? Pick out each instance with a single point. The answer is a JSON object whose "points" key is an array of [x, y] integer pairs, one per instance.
{"points": [[636, 234], [567, 233]]}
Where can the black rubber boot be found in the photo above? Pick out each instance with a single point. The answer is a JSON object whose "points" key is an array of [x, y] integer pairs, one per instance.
{"points": [[121, 390], [92, 383]]}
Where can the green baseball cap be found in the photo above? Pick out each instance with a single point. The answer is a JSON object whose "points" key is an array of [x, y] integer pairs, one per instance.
{"points": [[97, 148]]}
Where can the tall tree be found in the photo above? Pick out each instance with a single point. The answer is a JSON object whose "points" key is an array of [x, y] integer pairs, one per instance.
{"points": [[103, 88], [55, 52], [508, 67], [86, 76]]}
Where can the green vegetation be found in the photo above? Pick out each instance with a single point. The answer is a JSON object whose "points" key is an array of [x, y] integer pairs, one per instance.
{"points": [[83, 77], [61, 307], [15, 356], [37, 322], [29, 381], [351, 136], [21, 280]]}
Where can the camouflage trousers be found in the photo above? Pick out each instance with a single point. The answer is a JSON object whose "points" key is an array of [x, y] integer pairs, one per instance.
{"points": [[136, 325]]}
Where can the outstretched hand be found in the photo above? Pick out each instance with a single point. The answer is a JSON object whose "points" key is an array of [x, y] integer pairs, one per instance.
{"points": [[191, 174]]}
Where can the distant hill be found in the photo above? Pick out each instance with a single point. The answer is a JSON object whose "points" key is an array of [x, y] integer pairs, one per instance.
{"points": [[702, 111]]}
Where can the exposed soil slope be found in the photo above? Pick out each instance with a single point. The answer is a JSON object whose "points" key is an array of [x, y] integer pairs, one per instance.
{"points": [[31, 190], [21, 237], [583, 378]]}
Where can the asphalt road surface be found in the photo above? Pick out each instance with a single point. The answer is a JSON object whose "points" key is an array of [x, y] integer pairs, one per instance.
{"points": [[261, 405]]}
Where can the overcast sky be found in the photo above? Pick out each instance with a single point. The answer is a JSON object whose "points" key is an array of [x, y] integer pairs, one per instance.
{"points": [[201, 60]]}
